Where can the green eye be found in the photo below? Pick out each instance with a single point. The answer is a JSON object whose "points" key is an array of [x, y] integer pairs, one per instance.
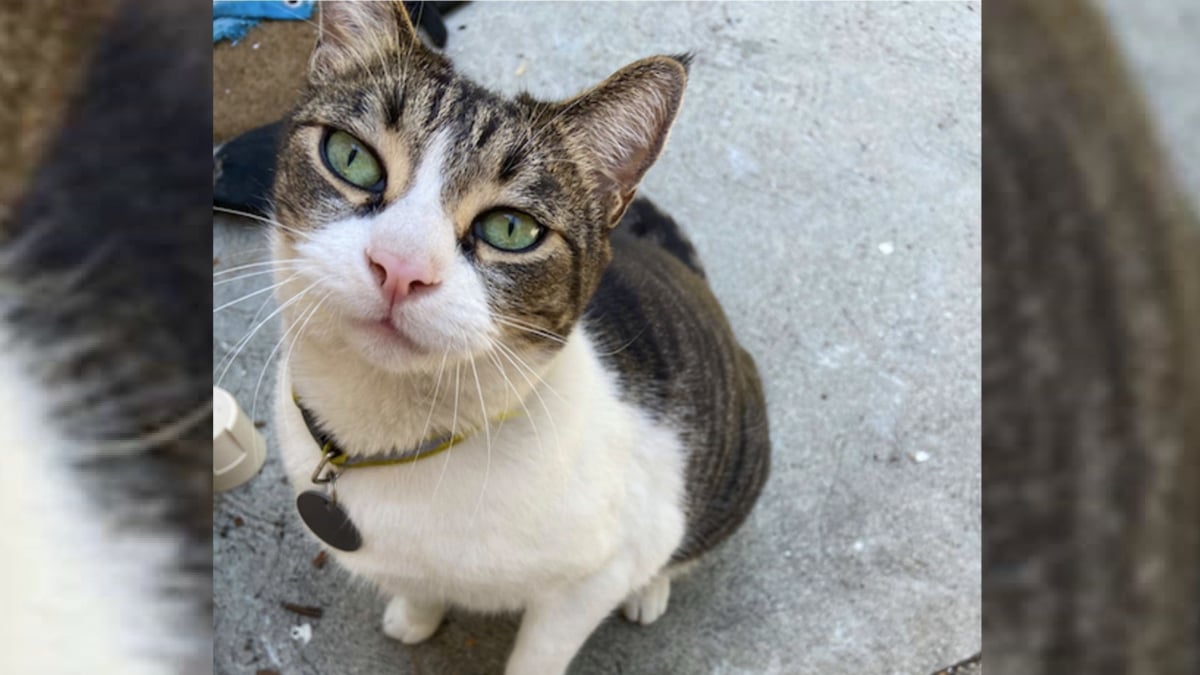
{"points": [[351, 160], [508, 230]]}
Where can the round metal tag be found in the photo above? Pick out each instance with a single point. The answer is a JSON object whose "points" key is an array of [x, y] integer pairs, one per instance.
{"points": [[328, 520]]}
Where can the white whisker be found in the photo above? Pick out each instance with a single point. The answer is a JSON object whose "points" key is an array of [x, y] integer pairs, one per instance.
{"points": [[246, 340], [432, 403], [520, 361], [254, 265], [625, 346], [453, 430], [302, 322], [491, 353], [488, 434], [241, 255], [532, 331], [268, 221], [527, 324], [260, 291], [170, 431], [509, 354], [248, 275]]}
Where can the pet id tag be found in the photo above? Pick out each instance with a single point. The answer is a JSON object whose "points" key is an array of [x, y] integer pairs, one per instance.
{"points": [[323, 515], [328, 520]]}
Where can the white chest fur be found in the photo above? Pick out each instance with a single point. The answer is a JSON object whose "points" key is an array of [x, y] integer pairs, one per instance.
{"points": [[77, 598], [578, 484]]}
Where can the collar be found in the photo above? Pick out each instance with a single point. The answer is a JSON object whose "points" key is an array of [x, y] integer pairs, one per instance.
{"points": [[332, 453]]}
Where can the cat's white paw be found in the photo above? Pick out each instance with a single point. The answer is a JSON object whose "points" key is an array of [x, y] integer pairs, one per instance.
{"points": [[646, 604], [411, 622]]}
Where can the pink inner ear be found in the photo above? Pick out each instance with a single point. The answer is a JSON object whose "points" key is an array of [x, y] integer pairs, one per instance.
{"points": [[624, 122], [629, 175]]}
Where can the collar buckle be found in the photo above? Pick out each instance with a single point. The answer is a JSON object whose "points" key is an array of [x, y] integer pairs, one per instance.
{"points": [[327, 457]]}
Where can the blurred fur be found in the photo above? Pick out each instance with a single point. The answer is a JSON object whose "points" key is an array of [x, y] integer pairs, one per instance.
{"points": [[1091, 361], [106, 338]]}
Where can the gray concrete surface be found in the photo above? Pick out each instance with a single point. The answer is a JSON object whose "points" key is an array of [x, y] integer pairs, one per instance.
{"points": [[826, 163], [1159, 40]]}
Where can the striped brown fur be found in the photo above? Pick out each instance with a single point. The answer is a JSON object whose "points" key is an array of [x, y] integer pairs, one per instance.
{"points": [[1091, 361], [677, 357]]}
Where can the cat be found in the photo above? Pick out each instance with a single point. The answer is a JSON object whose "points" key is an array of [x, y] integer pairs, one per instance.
{"points": [[105, 341], [1091, 443], [458, 266]]}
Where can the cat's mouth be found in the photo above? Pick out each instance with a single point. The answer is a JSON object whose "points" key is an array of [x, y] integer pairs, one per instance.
{"points": [[388, 334]]}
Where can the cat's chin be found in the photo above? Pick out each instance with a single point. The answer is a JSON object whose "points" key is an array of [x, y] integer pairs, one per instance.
{"points": [[385, 334], [383, 345]]}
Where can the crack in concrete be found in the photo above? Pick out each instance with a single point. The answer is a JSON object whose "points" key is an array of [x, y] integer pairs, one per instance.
{"points": [[971, 666]]}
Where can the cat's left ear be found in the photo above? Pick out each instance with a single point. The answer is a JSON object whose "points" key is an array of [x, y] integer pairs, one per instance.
{"points": [[355, 32], [622, 124]]}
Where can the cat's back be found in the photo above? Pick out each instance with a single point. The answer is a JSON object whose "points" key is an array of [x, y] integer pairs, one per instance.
{"points": [[659, 327]]}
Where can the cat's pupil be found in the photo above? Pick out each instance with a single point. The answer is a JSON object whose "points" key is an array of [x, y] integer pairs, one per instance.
{"points": [[512, 225], [353, 154]]}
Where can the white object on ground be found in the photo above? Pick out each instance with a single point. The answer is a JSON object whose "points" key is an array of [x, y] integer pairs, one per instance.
{"points": [[238, 448], [302, 633]]}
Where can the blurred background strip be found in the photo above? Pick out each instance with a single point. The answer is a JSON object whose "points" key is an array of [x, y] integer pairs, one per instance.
{"points": [[1091, 353]]}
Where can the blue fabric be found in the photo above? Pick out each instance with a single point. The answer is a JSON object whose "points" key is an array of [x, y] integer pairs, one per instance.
{"points": [[233, 18], [229, 28]]}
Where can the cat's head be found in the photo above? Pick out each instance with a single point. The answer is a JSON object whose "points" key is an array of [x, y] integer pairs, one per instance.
{"points": [[422, 217]]}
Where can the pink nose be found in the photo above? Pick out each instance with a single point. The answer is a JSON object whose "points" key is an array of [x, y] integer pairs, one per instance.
{"points": [[399, 277]]}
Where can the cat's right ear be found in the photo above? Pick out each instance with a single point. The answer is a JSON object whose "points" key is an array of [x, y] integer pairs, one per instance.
{"points": [[355, 33], [620, 126]]}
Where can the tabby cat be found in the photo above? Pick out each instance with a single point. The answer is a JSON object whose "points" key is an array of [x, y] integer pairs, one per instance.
{"points": [[105, 340], [1091, 445], [554, 412]]}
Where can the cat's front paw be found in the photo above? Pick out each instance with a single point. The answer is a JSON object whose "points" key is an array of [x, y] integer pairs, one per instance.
{"points": [[646, 604], [411, 622]]}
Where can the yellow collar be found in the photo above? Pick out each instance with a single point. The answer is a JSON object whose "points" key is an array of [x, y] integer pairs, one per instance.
{"points": [[332, 453]]}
